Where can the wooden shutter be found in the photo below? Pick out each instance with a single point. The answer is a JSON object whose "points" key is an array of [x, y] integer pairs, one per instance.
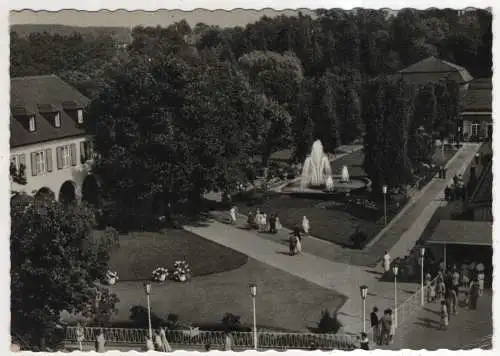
{"points": [[83, 153], [48, 159], [73, 154], [59, 157], [33, 164], [22, 160]]}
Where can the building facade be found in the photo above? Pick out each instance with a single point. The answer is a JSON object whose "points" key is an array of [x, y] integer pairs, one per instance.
{"points": [[49, 146], [476, 117], [433, 69]]}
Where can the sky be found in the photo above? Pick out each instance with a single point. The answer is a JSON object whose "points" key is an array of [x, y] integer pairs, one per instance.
{"points": [[123, 18]]}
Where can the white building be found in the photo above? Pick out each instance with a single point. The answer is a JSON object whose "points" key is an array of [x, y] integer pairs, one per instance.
{"points": [[48, 140]]}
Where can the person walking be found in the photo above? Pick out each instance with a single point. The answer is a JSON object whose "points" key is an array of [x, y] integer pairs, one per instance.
{"points": [[474, 294], [441, 290], [292, 244], [228, 341], [364, 343], [278, 224], [444, 315], [447, 193], [392, 330], [158, 343], [165, 344], [387, 262], [476, 158], [272, 223], [100, 342], [374, 323], [453, 301], [232, 214], [480, 278], [305, 225], [455, 279], [386, 324]]}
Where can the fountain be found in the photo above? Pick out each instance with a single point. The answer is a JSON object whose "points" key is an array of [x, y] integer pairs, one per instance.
{"points": [[317, 177], [316, 169], [345, 175]]}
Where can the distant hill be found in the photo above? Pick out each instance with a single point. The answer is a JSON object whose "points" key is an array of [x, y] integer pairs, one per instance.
{"points": [[120, 34]]}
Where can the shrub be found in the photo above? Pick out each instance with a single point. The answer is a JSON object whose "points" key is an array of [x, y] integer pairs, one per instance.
{"points": [[358, 239], [231, 322], [328, 323], [172, 321]]}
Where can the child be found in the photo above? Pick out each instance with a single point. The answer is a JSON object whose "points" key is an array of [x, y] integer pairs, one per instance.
{"points": [[432, 293], [392, 332]]}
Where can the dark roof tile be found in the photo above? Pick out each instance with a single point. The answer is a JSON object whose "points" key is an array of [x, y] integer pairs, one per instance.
{"points": [[39, 95]]}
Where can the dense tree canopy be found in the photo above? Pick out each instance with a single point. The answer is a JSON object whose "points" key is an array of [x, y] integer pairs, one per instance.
{"points": [[54, 264], [183, 110]]}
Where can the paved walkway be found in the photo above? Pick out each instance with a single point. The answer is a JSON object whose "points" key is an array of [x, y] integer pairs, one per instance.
{"points": [[332, 267], [465, 329]]}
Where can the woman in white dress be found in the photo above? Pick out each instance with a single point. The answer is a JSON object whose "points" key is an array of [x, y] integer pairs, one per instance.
{"points": [[305, 225], [298, 245]]}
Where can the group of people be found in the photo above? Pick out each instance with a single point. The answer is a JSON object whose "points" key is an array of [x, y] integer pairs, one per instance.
{"points": [[457, 191], [383, 328], [451, 284], [160, 342], [263, 222]]}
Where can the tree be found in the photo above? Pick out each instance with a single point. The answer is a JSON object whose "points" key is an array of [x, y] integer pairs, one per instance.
{"points": [[448, 97], [54, 264], [387, 112]]}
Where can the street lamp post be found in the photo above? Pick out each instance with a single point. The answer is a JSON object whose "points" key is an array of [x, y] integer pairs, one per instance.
{"points": [[395, 270], [147, 289], [384, 191], [364, 291], [253, 293], [422, 254]]}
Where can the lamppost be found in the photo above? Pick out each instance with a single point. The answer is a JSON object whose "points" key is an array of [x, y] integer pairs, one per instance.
{"points": [[147, 289], [395, 270], [253, 293], [422, 254], [364, 291], [384, 191]]}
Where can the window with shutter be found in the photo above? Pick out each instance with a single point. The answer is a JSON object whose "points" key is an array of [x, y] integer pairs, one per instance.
{"points": [[80, 116], [40, 162], [73, 154], [59, 158], [33, 164], [83, 156], [22, 160], [48, 158]]}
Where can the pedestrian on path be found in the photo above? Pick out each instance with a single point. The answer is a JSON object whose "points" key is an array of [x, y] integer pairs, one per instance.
{"points": [[232, 214], [278, 224], [476, 158], [474, 294], [386, 324], [158, 343], [228, 342], [480, 278], [165, 344], [387, 262], [374, 323], [453, 301], [392, 331], [305, 225], [444, 315], [149, 345], [292, 244], [100, 342], [364, 343], [441, 290], [272, 223], [447, 193]]}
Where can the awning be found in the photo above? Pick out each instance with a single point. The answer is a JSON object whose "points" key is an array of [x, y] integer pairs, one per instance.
{"points": [[460, 232]]}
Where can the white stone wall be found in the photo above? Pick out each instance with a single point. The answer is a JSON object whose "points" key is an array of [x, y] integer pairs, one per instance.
{"points": [[54, 179]]}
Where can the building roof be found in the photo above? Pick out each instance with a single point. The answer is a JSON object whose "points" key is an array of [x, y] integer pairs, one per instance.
{"points": [[436, 65], [478, 97], [483, 194], [463, 232], [40, 96]]}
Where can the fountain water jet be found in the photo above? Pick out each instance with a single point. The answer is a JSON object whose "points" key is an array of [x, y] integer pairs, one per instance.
{"points": [[316, 168]]}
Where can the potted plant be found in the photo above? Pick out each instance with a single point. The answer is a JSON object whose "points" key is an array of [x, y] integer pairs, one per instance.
{"points": [[111, 278], [182, 271], [160, 274]]}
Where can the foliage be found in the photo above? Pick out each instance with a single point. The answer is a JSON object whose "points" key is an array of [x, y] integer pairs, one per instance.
{"points": [[231, 322], [54, 263], [387, 119], [328, 323], [18, 175]]}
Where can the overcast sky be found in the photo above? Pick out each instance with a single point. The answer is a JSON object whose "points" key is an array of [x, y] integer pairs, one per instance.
{"points": [[125, 18]]}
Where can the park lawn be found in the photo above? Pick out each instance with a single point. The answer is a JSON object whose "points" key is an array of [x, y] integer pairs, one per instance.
{"points": [[140, 253], [283, 302], [335, 226]]}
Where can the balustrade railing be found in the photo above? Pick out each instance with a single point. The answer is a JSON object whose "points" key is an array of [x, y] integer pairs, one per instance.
{"points": [[216, 339], [411, 305]]}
